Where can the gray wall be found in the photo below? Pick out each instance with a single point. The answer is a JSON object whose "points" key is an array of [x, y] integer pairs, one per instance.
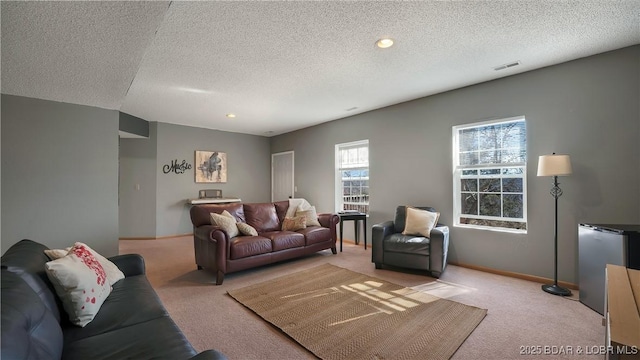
{"points": [[248, 176], [588, 108], [60, 166]]}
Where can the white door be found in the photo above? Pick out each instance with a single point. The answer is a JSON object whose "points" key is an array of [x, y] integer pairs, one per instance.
{"points": [[282, 186]]}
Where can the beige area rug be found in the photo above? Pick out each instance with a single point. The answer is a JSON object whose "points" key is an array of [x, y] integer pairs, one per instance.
{"points": [[339, 314]]}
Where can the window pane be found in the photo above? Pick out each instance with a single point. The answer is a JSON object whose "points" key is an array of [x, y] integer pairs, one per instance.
{"points": [[470, 158], [511, 156], [490, 185], [469, 204], [490, 204], [513, 206], [513, 171], [490, 172], [469, 184], [489, 157], [468, 140], [469, 172], [512, 185], [488, 138]]}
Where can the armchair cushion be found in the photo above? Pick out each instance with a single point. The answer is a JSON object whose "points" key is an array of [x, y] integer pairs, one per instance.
{"points": [[407, 244], [420, 222]]}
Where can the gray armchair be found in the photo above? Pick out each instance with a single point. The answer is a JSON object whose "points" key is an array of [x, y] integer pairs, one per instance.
{"points": [[390, 247]]}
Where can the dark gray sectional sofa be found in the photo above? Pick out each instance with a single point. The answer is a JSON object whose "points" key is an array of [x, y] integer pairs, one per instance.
{"points": [[131, 324]]}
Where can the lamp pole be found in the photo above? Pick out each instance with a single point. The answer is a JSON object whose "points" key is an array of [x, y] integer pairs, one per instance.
{"points": [[554, 289]]}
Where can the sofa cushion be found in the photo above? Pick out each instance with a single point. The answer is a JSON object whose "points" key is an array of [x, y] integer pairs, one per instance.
{"points": [[80, 282], [316, 234], [281, 209], [420, 222], [284, 239], [132, 301], [401, 215], [200, 214], [29, 329], [262, 216], [407, 244], [245, 246], [155, 339], [27, 258]]}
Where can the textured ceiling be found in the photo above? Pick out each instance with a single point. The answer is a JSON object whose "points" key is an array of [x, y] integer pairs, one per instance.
{"points": [[282, 66]]}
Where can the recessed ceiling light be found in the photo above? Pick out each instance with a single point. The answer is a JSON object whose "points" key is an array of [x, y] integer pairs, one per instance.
{"points": [[384, 43], [231, 115]]}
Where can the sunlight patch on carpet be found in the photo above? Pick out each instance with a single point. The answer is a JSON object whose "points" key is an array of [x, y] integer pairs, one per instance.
{"points": [[443, 289]]}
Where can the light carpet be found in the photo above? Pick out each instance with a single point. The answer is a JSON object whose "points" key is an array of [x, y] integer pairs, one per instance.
{"points": [[336, 313]]}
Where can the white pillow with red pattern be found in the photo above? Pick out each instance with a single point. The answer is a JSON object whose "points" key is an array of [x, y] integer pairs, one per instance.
{"points": [[80, 282], [113, 272]]}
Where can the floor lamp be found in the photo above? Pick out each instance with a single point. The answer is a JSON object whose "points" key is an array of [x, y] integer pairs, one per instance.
{"points": [[555, 165]]}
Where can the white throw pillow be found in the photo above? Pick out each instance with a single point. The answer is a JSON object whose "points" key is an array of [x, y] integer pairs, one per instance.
{"points": [[80, 282], [226, 223], [113, 272], [311, 215], [55, 254], [420, 222]]}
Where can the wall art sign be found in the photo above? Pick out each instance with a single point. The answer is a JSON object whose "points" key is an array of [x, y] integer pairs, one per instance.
{"points": [[211, 167], [175, 167]]}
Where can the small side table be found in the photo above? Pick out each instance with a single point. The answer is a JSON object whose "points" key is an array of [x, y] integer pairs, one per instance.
{"points": [[356, 218]]}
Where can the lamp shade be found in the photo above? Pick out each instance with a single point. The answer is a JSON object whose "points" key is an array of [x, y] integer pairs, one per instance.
{"points": [[554, 165]]}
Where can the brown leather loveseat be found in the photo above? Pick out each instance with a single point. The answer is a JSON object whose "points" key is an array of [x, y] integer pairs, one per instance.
{"points": [[215, 251]]}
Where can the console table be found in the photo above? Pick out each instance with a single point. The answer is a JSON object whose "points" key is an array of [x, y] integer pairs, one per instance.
{"points": [[212, 201], [356, 218], [621, 307]]}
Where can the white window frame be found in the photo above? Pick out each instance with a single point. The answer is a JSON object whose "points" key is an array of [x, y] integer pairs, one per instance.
{"points": [[339, 199], [457, 176]]}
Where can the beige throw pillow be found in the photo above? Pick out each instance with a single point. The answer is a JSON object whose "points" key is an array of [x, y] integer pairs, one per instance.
{"points": [[294, 223], [226, 223], [246, 229], [311, 215], [420, 222]]}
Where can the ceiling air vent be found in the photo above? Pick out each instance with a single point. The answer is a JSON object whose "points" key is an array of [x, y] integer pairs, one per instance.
{"points": [[506, 66]]}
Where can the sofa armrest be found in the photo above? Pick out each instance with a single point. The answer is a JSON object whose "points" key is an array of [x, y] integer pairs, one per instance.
{"points": [[129, 264], [439, 247], [378, 233], [209, 355], [330, 220], [212, 248]]}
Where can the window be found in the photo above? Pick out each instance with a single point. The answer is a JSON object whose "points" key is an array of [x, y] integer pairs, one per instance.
{"points": [[352, 176], [489, 182]]}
